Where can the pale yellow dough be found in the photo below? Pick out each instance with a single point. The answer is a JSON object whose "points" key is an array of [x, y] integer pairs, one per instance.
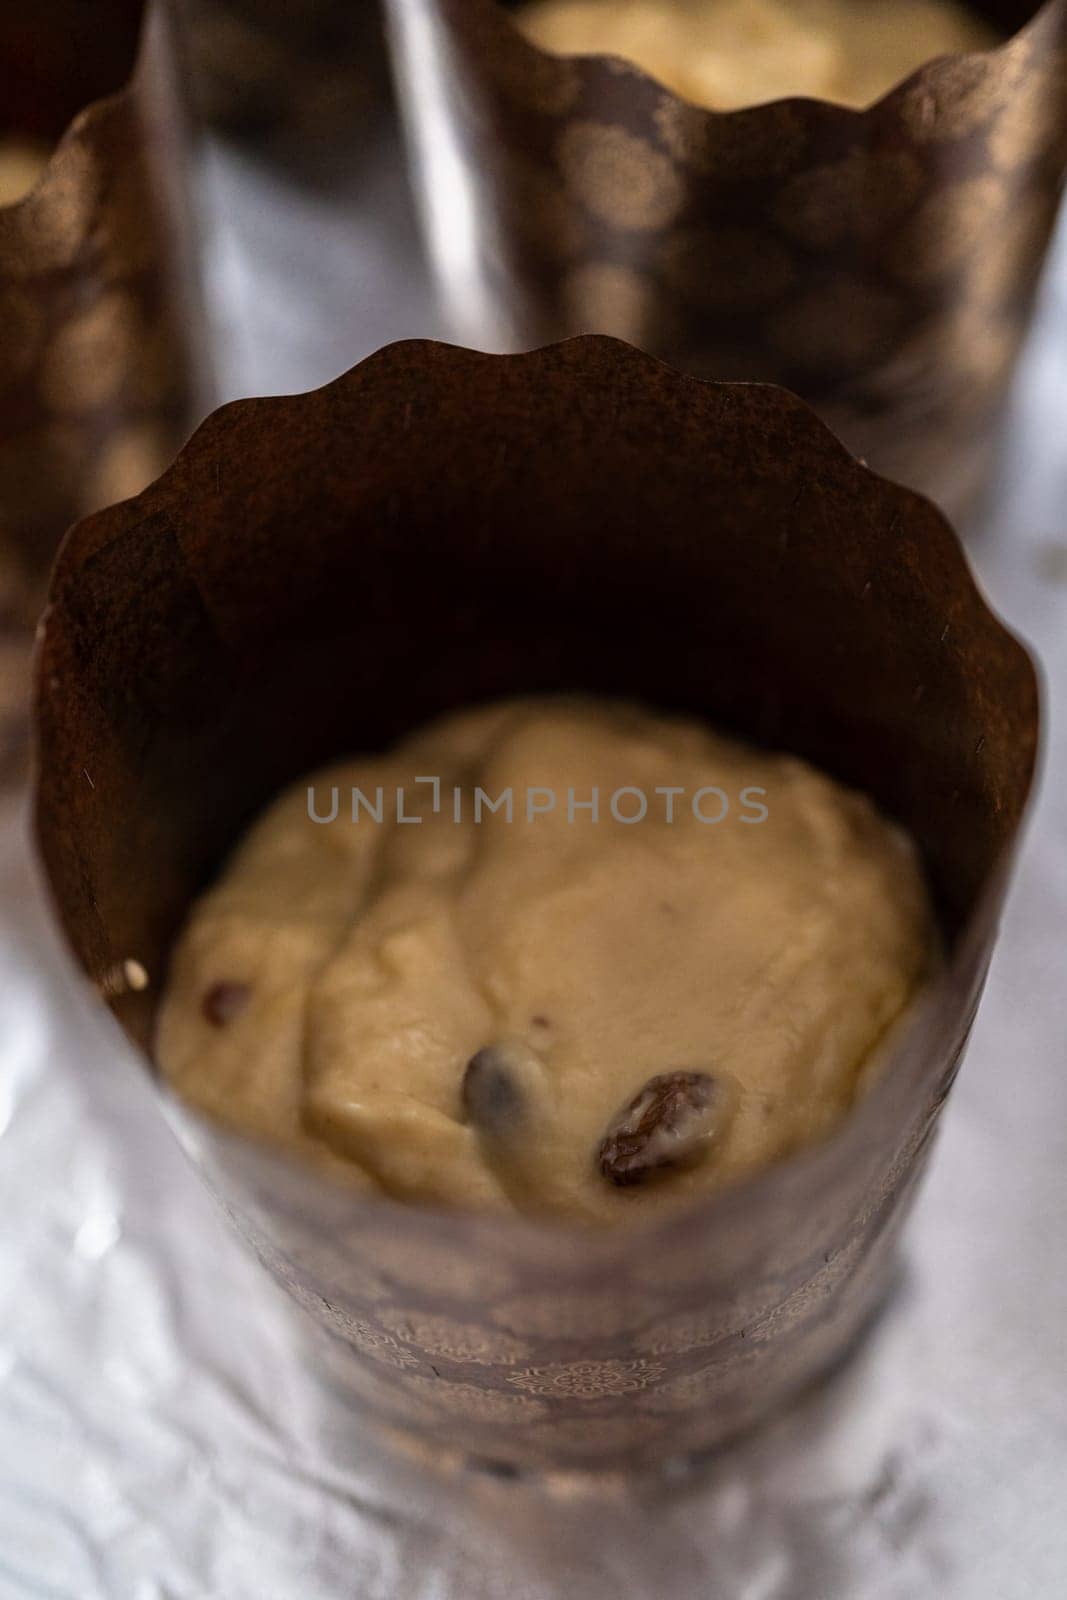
{"points": [[726, 54], [21, 163], [377, 958]]}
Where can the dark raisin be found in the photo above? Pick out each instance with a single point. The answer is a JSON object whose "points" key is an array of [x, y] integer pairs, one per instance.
{"points": [[492, 1094], [670, 1122], [225, 1001]]}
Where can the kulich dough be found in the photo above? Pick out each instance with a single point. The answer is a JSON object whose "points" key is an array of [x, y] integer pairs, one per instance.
{"points": [[590, 1018], [21, 163], [726, 54]]}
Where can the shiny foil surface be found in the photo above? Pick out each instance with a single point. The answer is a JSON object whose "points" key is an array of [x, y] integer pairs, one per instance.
{"points": [[162, 1435]]}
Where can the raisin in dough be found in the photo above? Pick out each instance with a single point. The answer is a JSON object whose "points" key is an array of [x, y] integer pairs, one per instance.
{"points": [[587, 1018], [726, 54]]}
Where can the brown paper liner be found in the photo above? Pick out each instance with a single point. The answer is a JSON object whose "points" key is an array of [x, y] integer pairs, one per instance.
{"points": [[882, 264], [312, 76], [101, 375], [317, 575]]}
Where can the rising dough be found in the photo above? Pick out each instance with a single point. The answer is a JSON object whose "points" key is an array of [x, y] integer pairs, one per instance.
{"points": [[726, 54], [554, 1012], [21, 163]]}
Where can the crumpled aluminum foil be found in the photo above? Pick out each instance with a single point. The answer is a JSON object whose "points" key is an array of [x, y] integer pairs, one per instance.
{"points": [[162, 1434]]}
